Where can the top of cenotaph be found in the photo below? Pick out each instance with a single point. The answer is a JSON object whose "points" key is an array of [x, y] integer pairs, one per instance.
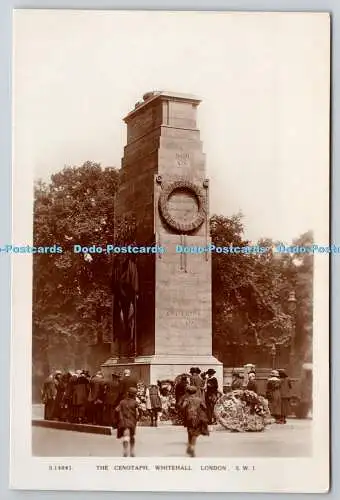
{"points": [[152, 96]]}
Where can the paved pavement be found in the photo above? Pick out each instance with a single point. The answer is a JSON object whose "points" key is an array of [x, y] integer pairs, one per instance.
{"points": [[291, 440]]}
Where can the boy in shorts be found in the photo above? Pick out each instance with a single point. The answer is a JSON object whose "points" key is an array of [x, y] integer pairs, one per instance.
{"points": [[128, 414]]}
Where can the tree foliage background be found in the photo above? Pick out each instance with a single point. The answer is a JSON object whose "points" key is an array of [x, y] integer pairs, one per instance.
{"points": [[250, 297], [72, 296]]}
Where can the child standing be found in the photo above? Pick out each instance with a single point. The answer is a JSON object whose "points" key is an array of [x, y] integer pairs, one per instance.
{"points": [[195, 418], [153, 403], [128, 415]]}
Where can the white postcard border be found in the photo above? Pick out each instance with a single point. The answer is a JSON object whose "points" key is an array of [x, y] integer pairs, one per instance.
{"points": [[270, 474]]}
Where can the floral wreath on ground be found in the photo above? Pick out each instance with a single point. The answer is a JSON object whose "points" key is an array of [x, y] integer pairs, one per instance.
{"points": [[243, 411]]}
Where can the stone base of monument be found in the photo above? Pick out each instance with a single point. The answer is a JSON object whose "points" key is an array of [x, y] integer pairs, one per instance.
{"points": [[149, 369]]}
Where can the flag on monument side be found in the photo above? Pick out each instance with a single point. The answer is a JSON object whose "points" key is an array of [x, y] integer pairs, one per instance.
{"points": [[125, 287]]}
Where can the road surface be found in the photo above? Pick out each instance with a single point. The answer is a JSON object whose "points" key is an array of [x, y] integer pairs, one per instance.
{"points": [[291, 440]]}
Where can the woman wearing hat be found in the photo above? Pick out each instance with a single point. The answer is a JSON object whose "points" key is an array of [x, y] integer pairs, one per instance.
{"points": [[251, 385], [211, 393], [274, 396], [181, 385], [285, 390], [197, 381], [195, 418], [236, 382]]}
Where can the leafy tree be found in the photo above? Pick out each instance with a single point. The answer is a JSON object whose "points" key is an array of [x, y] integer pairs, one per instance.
{"points": [[72, 301], [304, 298], [250, 306]]}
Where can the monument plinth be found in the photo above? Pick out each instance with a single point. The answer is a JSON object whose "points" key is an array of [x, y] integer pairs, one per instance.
{"points": [[163, 188]]}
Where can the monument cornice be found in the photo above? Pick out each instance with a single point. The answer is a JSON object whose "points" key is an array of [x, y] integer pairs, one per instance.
{"points": [[164, 96]]}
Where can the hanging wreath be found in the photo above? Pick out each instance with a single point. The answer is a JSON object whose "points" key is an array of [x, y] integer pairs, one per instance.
{"points": [[189, 187]]}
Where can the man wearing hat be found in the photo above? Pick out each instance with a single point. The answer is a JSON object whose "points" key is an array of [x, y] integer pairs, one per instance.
{"points": [[211, 394], [127, 417], [96, 395], [111, 400], [48, 395]]}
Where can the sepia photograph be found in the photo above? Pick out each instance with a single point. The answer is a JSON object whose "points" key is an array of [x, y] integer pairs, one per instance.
{"points": [[170, 251]]}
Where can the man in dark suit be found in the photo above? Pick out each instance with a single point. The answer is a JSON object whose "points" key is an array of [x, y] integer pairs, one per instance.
{"points": [[49, 393], [96, 398], [111, 400]]}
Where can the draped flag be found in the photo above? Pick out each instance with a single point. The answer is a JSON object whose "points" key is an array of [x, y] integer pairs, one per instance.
{"points": [[125, 292]]}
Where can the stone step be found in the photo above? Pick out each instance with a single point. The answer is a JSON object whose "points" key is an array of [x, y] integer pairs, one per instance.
{"points": [[67, 426]]}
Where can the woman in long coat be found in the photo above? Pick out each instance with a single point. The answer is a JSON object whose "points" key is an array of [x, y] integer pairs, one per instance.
{"points": [[80, 395], [180, 388], [236, 382], [211, 394], [273, 395], [285, 390], [60, 393], [197, 381], [195, 418], [252, 386]]}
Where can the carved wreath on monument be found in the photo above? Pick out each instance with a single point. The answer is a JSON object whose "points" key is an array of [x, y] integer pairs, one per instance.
{"points": [[191, 189]]}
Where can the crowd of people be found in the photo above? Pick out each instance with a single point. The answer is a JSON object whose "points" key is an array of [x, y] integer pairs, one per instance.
{"points": [[81, 398], [123, 401]]}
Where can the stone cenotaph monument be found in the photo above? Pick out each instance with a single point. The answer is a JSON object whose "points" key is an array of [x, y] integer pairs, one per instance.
{"points": [[164, 190]]}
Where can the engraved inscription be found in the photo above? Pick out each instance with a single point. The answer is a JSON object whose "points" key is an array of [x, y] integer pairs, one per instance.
{"points": [[180, 314], [187, 319], [182, 159]]}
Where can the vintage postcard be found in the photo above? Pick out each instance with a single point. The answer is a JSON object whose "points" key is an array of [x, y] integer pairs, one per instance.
{"points": [[170, 251]]}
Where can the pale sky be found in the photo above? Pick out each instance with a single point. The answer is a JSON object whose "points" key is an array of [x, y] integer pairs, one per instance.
{"points": [[263, 80]]}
